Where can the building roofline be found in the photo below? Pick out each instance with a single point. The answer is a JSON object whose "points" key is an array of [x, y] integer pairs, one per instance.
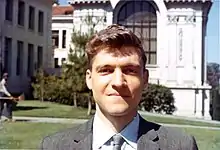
{"points": [[203, 1], [73, 2]]}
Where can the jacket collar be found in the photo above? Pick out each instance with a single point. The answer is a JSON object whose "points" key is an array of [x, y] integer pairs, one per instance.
{"points": [[83, 138], [147, 136]]}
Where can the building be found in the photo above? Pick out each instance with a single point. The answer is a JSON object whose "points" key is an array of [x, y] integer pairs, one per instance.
{"points": [[173, 33], [62, 28], [25, 40]]}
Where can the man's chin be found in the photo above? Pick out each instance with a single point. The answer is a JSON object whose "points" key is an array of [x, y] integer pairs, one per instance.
{"points": [[118, 113]]}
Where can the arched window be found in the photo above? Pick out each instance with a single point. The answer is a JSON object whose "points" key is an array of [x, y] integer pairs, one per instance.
{"points": [[140, 17]]}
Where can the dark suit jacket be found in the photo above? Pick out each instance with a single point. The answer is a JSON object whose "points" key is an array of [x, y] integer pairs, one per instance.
{"points": [[151, 136]]}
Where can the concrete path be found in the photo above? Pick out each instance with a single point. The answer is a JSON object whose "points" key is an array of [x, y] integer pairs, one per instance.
{"points": [[179, 117], [79, 121], [49, 120]]}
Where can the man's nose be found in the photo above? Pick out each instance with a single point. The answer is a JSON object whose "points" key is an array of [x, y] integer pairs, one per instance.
{"points": [[118, 79]]}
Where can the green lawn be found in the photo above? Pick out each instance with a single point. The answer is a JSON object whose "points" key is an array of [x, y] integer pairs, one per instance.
{"points": [[23, 135], [48, 109], [26, 135], [205, 138], [178, 121]]}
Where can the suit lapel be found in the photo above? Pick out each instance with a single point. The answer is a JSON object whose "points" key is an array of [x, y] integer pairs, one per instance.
{"points": [[83, 140], [147, 135]]}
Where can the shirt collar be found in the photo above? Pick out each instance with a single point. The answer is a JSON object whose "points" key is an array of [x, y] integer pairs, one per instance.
{"points": [[102, 133], [130, 132]]}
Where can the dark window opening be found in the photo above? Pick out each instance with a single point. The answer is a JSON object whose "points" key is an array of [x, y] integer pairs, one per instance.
{"points": [[140, 17]]}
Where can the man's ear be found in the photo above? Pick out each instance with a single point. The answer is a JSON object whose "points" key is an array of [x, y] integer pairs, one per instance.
{"points": [[89, 78], [146, 77]]}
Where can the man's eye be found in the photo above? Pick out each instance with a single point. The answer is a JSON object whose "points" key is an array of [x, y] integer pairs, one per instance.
{"points": [[130, 70], [105, 70]]}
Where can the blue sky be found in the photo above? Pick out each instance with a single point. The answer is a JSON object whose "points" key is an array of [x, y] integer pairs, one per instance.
{"points": [[212, 42], [213, 32]]}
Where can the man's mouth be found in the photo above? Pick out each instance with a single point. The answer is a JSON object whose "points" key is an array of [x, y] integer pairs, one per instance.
{"points": [[117, 94]]}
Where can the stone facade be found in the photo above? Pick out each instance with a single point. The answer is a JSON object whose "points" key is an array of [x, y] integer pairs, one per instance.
{"points": [[176, 31], [25, 40], [62, 24]]}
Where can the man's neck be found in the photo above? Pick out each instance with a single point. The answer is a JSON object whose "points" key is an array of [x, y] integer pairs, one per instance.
{"points": [[116, 123]]}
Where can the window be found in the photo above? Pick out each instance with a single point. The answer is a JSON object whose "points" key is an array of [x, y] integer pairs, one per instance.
{"points": [[21, 12], [31, 17], [56, 62], [30, 60], [9, 10], [55, 38], [20, 53], [7, 55], [63, 60], [40, 22], [140, 17], [64, 39], [39, 57]]}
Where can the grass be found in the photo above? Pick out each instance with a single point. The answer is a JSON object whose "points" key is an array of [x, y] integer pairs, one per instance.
{"points": [[54, 110], [23, 135], [205, 138], [167, 120], [26, 135], [48, 109]]}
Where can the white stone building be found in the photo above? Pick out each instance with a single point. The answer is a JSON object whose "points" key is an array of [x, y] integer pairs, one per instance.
{"points": [[25, 40], [62, 27], [173, 33]]}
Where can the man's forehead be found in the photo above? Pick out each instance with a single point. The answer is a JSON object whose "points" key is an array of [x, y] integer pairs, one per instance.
{"points": [[110, 56], [110, 60]]}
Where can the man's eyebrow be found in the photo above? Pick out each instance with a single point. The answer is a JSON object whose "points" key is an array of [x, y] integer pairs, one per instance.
{"points": [[123, 66], [132, 65], [102, 66]]}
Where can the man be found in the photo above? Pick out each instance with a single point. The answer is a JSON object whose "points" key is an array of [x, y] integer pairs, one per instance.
{"points": [[4, 93], [116, 75]]}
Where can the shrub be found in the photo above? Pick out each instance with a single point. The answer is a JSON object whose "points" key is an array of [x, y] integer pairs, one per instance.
{"points": [[157, 98]]}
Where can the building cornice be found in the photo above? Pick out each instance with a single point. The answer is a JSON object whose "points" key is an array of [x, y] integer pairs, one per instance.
{"points": [[87, 1], [203, 1]]}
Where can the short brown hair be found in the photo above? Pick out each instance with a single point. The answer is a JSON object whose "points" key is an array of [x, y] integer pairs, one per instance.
{"points": [[112, 39]]}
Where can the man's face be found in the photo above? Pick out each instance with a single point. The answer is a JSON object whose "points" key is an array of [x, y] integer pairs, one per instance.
{"points": [[117, 82]]}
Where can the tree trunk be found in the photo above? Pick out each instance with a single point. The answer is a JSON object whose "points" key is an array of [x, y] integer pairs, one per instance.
{"points": [[74, 100], [89, 106], [42, 91]]}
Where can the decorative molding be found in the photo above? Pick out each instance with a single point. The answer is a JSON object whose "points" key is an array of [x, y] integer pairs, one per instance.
{"points": [[173, 19], [180, 34], [87, 1], [181, 19], [188, 1]]}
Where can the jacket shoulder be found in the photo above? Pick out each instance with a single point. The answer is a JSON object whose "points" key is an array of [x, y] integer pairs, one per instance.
{"points": [[174, 138], [65, 138]]}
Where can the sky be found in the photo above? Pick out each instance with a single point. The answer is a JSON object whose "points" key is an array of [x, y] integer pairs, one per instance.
{"points": [[212, 40], [213, 33]]}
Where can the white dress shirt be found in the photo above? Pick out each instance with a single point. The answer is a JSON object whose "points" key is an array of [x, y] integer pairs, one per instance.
{"points": [[3, 88], [102, 135]]}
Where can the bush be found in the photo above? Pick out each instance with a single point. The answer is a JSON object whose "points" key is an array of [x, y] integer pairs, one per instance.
{"points": [[57, 89], [157, 98]]}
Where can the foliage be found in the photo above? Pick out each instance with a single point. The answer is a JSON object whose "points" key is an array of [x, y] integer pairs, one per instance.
{"points": [[69, 88], [213, 74], [75, 69], [47, 87], [157, 98]]}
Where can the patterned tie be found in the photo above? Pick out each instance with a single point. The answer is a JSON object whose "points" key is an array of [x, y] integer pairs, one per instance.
{"points": [[117, 142]]}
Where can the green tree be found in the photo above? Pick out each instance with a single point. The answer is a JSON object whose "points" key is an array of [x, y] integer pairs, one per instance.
{"points": [[74, 70]]}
